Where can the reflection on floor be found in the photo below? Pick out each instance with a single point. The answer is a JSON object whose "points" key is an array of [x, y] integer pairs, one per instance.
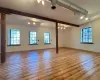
{"points": [[47, 65]]}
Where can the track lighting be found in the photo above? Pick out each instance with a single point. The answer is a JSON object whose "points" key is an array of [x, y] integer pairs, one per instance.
{"points": [[38, 1], [42, 1], [33, 23], [62, 26], [86, 18]]}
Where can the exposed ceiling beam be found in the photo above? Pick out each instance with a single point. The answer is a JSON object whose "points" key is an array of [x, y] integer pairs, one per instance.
{"points": [[8, 11]]}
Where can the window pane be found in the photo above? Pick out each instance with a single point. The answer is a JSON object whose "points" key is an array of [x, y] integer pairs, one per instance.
{"points": [[86, 35], [14, 37], [33, 38], [46, 37]]}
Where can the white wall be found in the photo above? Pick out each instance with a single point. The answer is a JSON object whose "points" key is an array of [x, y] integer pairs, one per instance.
{"points": [[68, 38], [72, 39], [24, 30]]}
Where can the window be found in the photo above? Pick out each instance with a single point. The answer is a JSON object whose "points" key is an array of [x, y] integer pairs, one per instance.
{"points": [[13, 37], [86, 35], [46, 38], [33, 37]]}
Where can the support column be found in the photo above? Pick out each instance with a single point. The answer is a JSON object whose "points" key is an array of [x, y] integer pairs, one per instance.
{"points": [[57, 50], [3, 37]]}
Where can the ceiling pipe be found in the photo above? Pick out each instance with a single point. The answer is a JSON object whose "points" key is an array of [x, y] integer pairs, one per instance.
{"points": [[69, 5]]}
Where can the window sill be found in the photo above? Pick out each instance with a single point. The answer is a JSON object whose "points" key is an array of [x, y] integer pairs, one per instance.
{"points": [[14, 45], [47, 43], [86, 43], [33, 44]]}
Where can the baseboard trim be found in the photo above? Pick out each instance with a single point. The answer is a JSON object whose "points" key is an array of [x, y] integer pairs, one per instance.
{"points": [[32, 50], [53, 48], [81, 50]]}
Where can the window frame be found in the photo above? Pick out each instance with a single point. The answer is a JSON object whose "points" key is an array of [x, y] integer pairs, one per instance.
{"points": [[82, 33], [9, 38], [49, 38], [36, 38]]}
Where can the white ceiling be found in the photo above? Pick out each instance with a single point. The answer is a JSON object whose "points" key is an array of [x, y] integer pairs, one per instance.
{"points": [[92, 6], [31, 6], [23, 20]]}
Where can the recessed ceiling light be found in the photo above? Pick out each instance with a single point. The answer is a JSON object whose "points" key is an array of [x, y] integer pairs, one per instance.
{"points": [[81, 17], [34, 23], [58, 27], [86, 18], [29, 23], [64, 28], [38, 1], [42, 2]]}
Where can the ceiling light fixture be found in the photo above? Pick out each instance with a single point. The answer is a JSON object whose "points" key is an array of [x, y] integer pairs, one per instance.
{"points": [[34, 23], [29, 23], [38, 1], [81, 17], [42, 1], [86, 18]]}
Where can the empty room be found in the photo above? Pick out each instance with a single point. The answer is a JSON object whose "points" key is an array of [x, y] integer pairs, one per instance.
{"points": [[49, 39]]}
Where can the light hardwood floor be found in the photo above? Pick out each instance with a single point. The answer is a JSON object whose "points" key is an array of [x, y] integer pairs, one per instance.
{"points": [[47, 65]]}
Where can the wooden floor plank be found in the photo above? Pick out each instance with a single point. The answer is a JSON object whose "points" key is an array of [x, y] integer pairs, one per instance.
{"points": [[47, 65]]}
